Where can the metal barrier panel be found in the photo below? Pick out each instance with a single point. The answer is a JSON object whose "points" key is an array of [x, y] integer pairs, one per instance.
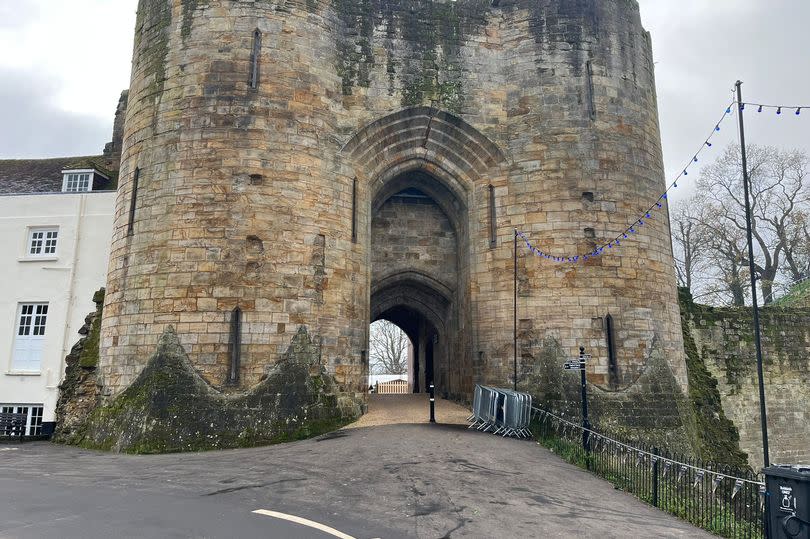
{"points": [[501, 411]]}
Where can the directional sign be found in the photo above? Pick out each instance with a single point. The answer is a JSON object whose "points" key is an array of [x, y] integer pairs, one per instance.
{"points": [[573, 366]]}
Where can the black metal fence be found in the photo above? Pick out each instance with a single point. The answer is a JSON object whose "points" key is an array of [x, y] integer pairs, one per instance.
{"points": [[723, 500]]}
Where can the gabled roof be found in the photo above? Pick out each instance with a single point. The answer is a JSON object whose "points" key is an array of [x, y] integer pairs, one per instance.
{"points": [[44, 175]]}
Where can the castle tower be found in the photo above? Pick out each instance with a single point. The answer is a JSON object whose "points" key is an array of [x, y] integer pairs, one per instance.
{"points": [[320, 164]]}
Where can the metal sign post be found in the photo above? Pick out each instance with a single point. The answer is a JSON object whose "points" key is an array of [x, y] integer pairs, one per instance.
{"points": [[586, 424], [578, 364]]}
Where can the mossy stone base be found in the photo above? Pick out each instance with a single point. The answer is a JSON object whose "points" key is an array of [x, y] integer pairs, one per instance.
{"points": [[170, 408], [653, 408]]}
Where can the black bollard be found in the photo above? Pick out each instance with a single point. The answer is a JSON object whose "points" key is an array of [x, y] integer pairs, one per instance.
{"points": [[432, 404]]}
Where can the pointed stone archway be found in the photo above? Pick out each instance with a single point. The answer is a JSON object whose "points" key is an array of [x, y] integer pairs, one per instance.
{"points": [[422, 173], [419, 274]]}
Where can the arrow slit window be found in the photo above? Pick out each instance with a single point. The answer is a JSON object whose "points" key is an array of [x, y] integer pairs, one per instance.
{"points": [[235, 345], [132, 202], [254, 59], [354, 211], [613, 367], [493, 238]]}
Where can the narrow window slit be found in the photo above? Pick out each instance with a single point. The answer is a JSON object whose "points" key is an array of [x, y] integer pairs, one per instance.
{"points": [[254, 59], [132, 202], [493, 238], [591, 99], [613, 367], [235, 341], [354, 211]]}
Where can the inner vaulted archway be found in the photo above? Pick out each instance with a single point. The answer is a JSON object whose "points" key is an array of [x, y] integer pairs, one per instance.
{"points": [[418, 273], [421, 181], [419, 259]]}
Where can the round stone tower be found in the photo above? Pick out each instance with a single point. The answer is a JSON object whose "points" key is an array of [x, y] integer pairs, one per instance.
{"points": [[312, 166]]}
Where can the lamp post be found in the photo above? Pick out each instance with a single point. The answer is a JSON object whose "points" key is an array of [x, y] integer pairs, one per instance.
{"points": [[757, 337]]}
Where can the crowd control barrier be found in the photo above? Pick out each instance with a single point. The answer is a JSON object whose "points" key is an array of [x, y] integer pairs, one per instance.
{"points": [[501, 411]]}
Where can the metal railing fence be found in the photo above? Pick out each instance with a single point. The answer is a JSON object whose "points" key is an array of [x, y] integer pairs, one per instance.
{"points": [[726, 501]]}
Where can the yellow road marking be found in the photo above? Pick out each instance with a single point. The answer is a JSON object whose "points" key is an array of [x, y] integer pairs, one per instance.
{"points": [[303, 522]]}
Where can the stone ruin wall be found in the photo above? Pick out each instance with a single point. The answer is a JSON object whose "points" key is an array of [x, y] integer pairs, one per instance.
{"points": [[245, 195], [724, 340]]}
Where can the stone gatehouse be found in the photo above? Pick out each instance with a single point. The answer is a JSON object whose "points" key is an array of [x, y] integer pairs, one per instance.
{"points": [[293, 170]]}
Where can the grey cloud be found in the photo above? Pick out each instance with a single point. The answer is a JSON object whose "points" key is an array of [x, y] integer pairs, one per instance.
{"points": [[701, 53], [32, 127]]}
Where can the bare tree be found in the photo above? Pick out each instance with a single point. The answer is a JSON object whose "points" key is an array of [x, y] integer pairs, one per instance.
{"points": [[778, 196], [708, 253], [727, 253], [797, 250], [388, 346], [691, 241]]}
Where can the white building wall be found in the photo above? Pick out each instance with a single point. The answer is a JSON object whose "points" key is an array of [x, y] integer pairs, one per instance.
{"points": [[65, 281]]}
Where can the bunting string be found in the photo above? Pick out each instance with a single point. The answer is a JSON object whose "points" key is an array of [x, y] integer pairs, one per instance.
{"points": [[796, 110], [658, 205]]}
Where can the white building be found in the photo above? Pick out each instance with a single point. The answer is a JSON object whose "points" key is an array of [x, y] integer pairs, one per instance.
{"points": [[55, 228]]}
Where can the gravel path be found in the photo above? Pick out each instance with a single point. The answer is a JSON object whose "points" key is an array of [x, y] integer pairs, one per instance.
{"points": [[409, 409]]}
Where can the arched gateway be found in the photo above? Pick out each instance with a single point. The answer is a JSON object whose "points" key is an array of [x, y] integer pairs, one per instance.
{"points": [[292, 171], [423, 170]]}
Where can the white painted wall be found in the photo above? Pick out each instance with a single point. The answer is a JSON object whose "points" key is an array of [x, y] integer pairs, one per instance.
{"points": [[66, 282]]}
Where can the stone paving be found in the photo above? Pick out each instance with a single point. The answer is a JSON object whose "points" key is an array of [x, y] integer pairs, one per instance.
{"points": [[404, 409]]}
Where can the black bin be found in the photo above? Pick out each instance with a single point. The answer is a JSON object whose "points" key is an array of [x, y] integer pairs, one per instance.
{"points": [[788, 489]]}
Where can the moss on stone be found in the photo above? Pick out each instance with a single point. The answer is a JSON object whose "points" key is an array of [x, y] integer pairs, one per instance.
{"points": [[89, 354], [714, 436], [78, 391], [189, 6], [170, 408], [432, 32], [652, 410], [355, 56], [437, 31], [153, 20]]}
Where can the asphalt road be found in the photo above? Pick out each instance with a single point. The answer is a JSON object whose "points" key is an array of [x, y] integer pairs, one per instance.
{"points": [[432, 481]]}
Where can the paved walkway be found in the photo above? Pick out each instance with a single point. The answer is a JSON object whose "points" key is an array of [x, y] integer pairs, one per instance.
{"points": [[395, 481], [405, 409]]}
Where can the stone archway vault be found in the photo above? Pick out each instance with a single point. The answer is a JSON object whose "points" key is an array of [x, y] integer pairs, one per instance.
{"points": [[418, 172]]}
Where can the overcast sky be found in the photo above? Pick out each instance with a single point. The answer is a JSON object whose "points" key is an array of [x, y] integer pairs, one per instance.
{"points": [[64, 63]]}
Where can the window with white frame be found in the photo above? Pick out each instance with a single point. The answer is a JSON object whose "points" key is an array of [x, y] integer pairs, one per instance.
{"points": [[33, 419], [29, 337], [77, 182], [42, 241]]}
